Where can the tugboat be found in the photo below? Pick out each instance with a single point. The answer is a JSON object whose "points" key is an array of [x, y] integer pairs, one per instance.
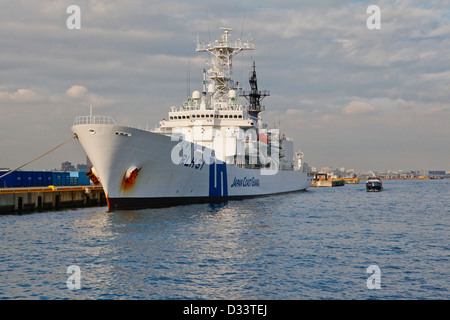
{"points": [[374, 184]]}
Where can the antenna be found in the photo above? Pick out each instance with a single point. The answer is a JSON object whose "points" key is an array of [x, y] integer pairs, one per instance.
{"points": [[204, 82], [207, 20], [254, 96], [243, 19], [188, 80]]}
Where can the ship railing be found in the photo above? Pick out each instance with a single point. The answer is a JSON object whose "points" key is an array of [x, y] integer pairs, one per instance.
{"points": [[261, 108], [262, 93], [94, 120], [238, 44], [163, 131]]}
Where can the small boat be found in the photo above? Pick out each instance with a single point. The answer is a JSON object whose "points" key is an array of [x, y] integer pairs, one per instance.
{"points": [[374, 184]]}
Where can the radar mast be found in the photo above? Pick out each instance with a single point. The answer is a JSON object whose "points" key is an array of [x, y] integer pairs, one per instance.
{"points": [[254, 97], [220, 74]]}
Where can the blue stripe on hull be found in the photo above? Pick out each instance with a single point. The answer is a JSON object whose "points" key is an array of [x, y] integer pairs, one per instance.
{"points": [[218, 184]]}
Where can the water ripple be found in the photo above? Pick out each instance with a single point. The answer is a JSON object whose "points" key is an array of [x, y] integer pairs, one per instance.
{"points": [[310, 245]]}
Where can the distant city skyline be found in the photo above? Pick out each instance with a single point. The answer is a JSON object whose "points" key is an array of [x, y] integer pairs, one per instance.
{"points": [[349, 96]]}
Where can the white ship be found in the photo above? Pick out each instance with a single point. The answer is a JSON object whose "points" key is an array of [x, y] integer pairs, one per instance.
{"points": [[211, 149]]}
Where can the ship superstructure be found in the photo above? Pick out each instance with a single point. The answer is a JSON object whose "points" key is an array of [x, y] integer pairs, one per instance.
{"points": [[214, 118], [226, 148]]}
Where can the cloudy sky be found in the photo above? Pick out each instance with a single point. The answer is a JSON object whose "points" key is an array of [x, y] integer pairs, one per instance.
{"points": [[350, 97]]}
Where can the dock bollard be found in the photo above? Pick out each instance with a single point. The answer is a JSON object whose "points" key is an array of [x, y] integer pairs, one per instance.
{"points": [[87, 193]]}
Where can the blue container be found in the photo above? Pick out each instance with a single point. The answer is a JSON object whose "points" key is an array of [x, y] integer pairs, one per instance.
{"points": [[41, 178], [16, 179], [27, 178], [66, 178], [73, 181], [7, 181], [46, 178], [12, 180], [56, 179], [73, 178], [83, 179], [61, 178], [38, 178]]}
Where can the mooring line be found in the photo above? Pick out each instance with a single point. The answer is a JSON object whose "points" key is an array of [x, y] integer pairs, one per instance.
{"points": [[42, 155]]}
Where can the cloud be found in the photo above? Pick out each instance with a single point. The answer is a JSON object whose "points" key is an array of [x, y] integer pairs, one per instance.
{"points": [[405, 105], [21, 95], [321, 64], [77, 92], [357, 107]]}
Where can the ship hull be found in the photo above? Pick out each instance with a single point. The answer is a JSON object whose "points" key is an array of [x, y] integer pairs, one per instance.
{"points": [[166, 175], [374, 188], [152, 202]]}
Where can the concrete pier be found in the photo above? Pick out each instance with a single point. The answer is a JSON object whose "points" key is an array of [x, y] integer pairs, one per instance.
{"points": [[24, 200]]}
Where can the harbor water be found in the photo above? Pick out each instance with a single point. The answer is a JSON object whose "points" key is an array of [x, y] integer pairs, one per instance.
{"points": [[316, 244]]}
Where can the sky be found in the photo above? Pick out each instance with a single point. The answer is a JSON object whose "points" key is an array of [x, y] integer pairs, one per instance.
{"points": [[350, 96]]}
